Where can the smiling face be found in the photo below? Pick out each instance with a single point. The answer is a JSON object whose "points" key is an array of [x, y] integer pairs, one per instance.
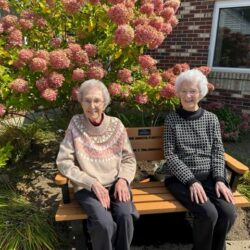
{"points": [[93, 104], [190, 95]]}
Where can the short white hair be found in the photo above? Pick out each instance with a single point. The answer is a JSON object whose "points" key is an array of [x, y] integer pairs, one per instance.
{"points": [[192, 75], [93, 83]]}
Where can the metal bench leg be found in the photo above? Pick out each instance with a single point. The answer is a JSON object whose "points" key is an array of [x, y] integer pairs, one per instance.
{"points": [[79, 234]]}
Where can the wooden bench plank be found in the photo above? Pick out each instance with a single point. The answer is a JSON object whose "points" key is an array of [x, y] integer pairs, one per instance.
{"points": [[149, 198], [236, 165]]}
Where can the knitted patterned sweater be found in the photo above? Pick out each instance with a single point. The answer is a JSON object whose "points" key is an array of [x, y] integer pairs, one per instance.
{"points": [[193, 146], [89, 153]]}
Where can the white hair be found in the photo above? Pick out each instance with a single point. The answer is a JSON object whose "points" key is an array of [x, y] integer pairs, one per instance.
{"points": [[192, 76], [93, 83]]}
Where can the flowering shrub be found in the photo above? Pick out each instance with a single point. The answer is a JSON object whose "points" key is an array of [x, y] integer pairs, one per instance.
{"points": [[233, 125], [48, 47]]}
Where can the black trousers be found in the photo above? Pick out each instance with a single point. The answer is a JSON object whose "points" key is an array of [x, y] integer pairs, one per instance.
{"points": [[212, 220], [109, 229]]}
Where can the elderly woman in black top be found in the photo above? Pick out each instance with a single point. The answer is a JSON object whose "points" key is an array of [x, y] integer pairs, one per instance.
{"points": [[195, 167]]}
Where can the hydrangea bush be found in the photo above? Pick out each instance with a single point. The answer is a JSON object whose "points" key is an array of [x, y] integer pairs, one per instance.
{"points": [[49, 47]]}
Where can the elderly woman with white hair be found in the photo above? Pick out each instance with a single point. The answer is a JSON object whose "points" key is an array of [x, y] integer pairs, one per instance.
{"points": [[97, 157], [195, 168]]}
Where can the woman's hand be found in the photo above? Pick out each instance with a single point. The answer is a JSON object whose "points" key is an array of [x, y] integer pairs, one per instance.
{"points": [[197, 192], [221, 188], [102, 194], [122, 190]]}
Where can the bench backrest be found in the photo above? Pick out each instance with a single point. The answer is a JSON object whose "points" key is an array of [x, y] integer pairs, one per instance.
{"points": [[147, 143]]}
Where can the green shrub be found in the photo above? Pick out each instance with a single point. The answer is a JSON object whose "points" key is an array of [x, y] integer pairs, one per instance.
{"points": [[23, 225], [5, 154], [233, 124]]}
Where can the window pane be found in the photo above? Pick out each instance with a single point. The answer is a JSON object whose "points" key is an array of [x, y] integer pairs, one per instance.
{"points": [[233, 38]]}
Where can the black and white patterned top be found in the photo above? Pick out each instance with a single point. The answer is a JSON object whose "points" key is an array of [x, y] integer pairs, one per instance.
{"points": [[193, 146]]}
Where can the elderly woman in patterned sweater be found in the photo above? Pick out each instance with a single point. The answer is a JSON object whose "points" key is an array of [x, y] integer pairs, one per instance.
{"points": [[195, 167], [97, 157]]}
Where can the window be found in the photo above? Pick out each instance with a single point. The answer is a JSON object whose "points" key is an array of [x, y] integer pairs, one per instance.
{"points": [[230, 36]]}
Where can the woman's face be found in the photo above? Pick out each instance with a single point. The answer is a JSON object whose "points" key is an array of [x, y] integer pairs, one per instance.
{"points": [[189, 94], [93, 104]]}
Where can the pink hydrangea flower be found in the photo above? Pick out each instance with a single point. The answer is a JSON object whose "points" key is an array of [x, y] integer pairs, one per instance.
{"points": [[210, 86], [145, 34], [90, 49], [78, 75], [1, 28], [167, 74], [55, 79], [158, 6], [166, 28], [120, 14], [168, 91], [246, 117], [74, 93], [50, 94], [147, 8], [72, 6], [157, 23], [124, 75], [19, 85], [157, 41], [56, 42], [74, 47], [114, 89], [154, 79], [141, 98], [96, 73], [167, 13], [41, 22], [2, 110], [146, 61], [25, 24], [38, 64], [59, 59], [25, 55], [81, 57], [9, 21], [205, 70], [42, 54], [140, 21], [177, 69], [28, 14], [173, 21], [42, 84], [4, 5], [175, 4], [124, 35], [15, 38]]}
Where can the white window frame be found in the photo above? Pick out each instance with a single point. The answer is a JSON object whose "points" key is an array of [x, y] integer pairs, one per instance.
{"points": [[217, 6]]}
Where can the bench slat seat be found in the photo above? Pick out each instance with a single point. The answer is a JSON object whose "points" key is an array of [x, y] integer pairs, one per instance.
{"points": [[149, 198]]}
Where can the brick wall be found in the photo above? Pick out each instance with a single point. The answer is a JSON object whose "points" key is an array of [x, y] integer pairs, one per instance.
{"points": [[233, 89], [189, 40]]}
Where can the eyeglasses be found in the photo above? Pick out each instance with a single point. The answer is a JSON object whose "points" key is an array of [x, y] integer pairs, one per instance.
{"points": [[96, 102], [190, 92]]}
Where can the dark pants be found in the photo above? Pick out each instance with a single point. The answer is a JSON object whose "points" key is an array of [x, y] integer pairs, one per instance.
{"points": [[108, 229], [212, 220]]}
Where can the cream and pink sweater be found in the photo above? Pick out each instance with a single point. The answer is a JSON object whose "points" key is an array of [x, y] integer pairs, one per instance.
{"points": [[89, 153]]}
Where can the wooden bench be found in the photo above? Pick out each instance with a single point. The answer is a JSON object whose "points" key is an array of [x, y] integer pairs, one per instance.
{"points": [[150, 197]]}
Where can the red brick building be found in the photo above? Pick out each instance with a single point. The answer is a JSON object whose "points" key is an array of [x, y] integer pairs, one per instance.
{"points": [[217, 34]]}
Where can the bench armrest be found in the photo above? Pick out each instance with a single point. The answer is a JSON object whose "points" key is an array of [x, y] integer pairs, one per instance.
{"points": [[237, 170], [63, 182], [235, 165]]}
